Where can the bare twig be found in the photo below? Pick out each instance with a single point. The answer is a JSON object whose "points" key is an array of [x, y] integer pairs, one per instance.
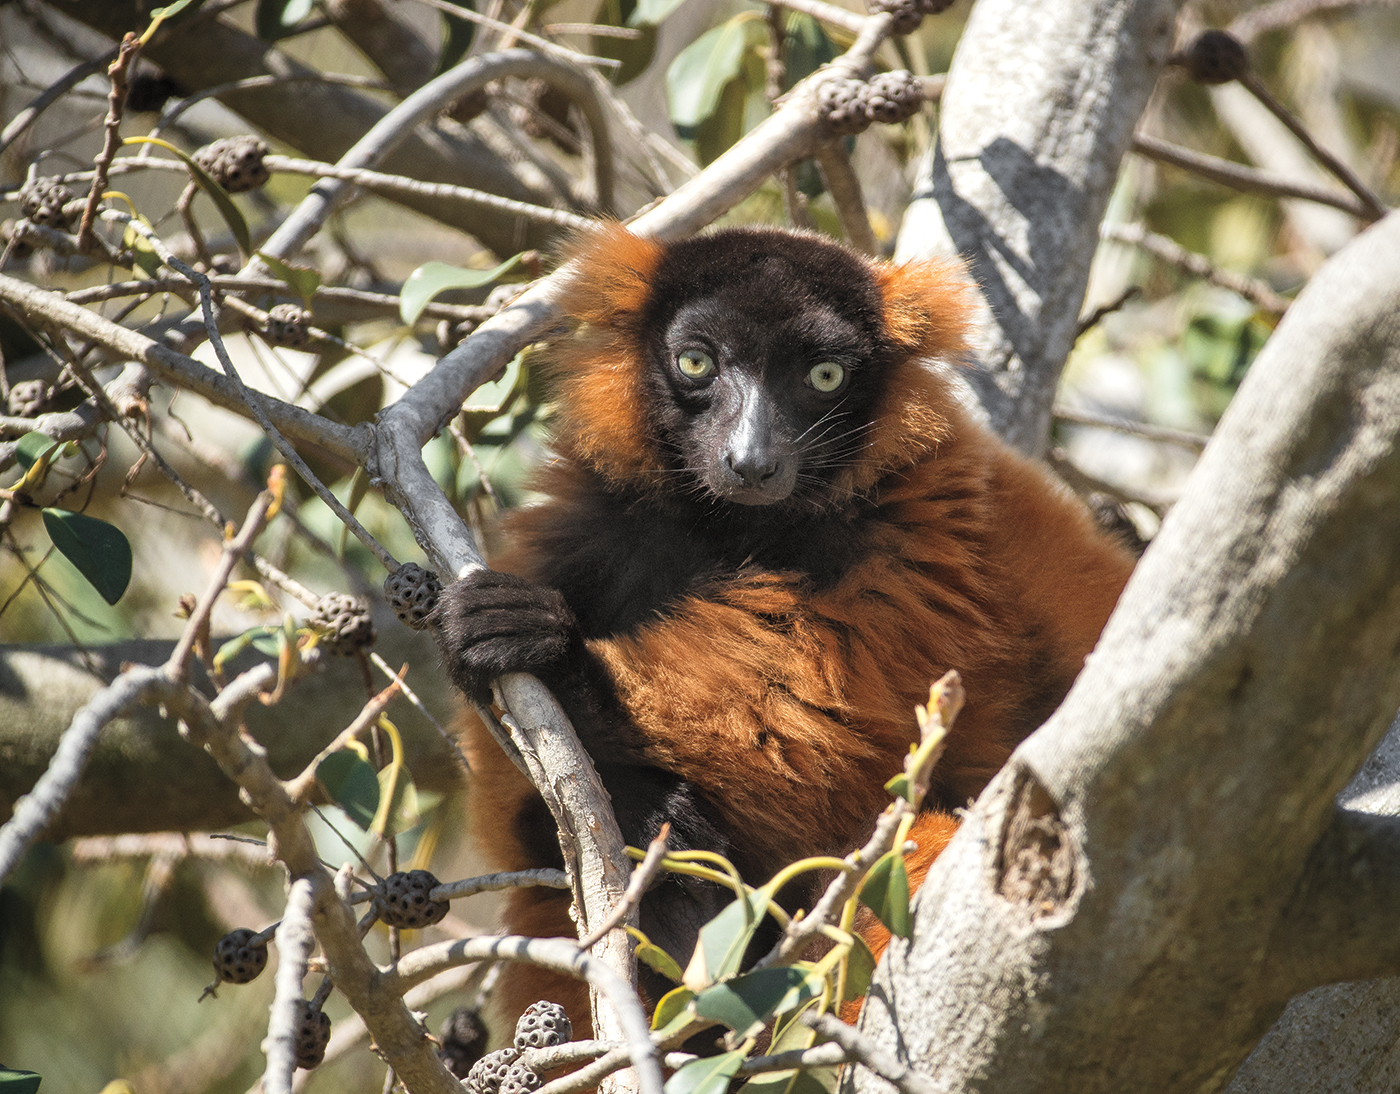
{"points": [[299, 789], [1174, 254], [1182, 437], [390, 130], [181, 369], [51, 94], [1084, 483], [1103, 311], [379, 182], [831, 14], [112, 140], [178, 665], [37, 809], [844, 187], [1285, 13], [1250, 180], [1374, 209], [884, 1064], [642, 877]]}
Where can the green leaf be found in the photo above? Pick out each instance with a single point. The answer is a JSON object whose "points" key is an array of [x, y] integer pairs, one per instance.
{"points": [[709, 1075], [805, 48], [746, 1002], [171, 9], [227, 209], [279, 18], [398, 798], [432, 278], [673, 1009], [886, 892], [269, 643], [790, 1037], [818, 1080], [699, 74], [352, 785], [860, 967], [648, 13], [653, 956], [33, 447], [724, 939], [633, 55], [301, 280], [457, 37], [398, 801], [99, 550], [143, 251], [19, 1082], [262, 638]]}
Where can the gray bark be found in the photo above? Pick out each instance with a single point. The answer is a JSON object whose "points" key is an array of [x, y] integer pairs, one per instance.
{"points": [[1040, 106], [1123, 908]]}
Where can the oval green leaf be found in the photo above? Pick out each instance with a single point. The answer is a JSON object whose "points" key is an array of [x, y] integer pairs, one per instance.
{"points": [[300, 279], [860, 967], [709, 1075], [99, 550], [432, 278], [398, 801], [697, 77], [745, 1003], [33, 447], [653, 956], [886, 893], [351, 783], [651, 12], [673, 1009], [724, 939]]}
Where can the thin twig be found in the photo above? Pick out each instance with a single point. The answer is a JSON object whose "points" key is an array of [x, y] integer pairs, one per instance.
{"points": [[1084, 483], [383, 183], [1282, 14], [254, 403], [178, 664], [51, 94], [831, 14], [588, 1076], [872, 1056], [1103, 311], [641, 879], [844, 187], [1174, 254], [112, 140], [1238, 176], [35, 811], [1182, 437], [1374, 209], [299, 789]]}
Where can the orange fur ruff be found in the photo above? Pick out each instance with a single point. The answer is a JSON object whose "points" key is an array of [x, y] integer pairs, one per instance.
{"points": [[790, 708]]}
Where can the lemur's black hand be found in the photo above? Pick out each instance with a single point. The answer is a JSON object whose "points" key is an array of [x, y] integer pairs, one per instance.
{"points": [[491, 623]]}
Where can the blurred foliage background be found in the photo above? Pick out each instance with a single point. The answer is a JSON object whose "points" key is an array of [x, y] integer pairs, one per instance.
{"points": [[104, 946]]}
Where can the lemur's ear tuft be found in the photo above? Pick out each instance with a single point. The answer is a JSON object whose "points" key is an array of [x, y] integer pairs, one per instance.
{"points": [[614, 278], [928, 306]]}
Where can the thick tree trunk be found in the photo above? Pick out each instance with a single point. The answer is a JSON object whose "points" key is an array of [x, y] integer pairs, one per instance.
{"points": [[1040, 106], [1161, 867]]}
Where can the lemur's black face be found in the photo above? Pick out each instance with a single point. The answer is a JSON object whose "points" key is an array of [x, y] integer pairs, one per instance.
{"points": [[767, 362]]}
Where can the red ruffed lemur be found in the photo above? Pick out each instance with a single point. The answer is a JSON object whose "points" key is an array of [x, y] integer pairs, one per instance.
{"points": [[768, 526]]}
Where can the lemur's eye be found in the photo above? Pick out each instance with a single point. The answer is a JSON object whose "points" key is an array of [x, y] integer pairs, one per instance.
{"points": [[827, 376], [695, 364]]}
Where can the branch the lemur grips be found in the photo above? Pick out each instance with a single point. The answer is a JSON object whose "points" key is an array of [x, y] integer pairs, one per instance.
{"points": [[767, 527]]}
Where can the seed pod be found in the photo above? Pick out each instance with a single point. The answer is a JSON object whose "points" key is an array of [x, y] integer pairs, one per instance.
{"points": [[288, 325], [401, 900], [42, 200], [235, 163], [313, 1033], [520, 1079], [413, 594], [344, 624], [240, 956], [486, 1074], [908, 14], [543, 1025], [843, 106], [894, 96], [1216, 57]]}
